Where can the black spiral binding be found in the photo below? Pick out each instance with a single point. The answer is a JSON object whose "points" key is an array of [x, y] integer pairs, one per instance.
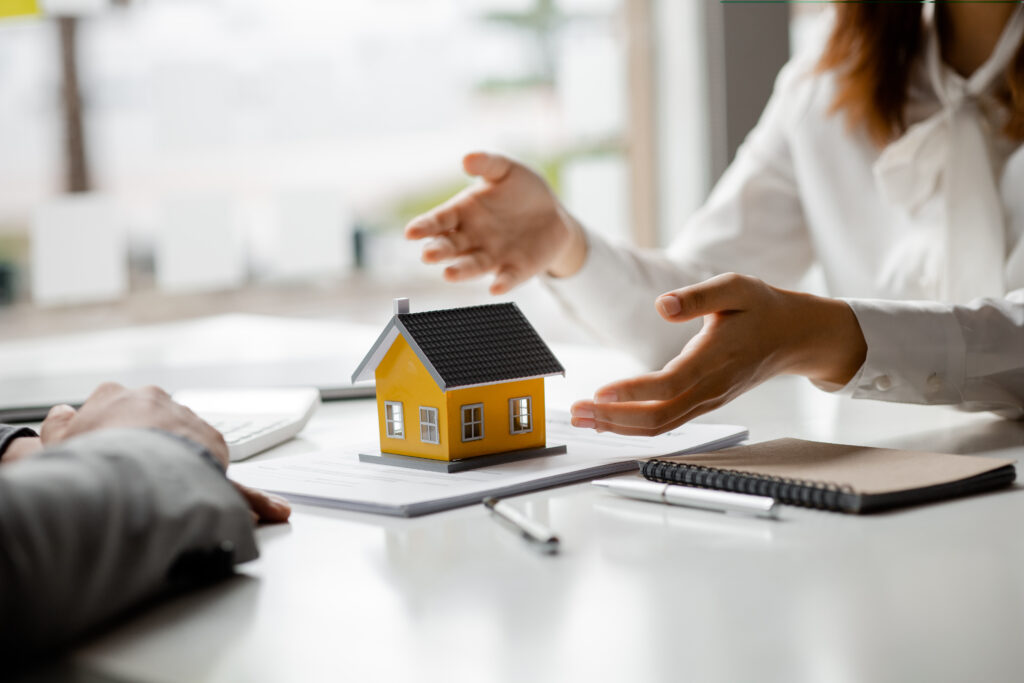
{"points": [[824, 496]]}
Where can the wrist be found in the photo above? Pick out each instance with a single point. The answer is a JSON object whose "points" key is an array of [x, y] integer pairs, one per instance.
{"points": [[21, 447], [835, 346], [570, 257]]}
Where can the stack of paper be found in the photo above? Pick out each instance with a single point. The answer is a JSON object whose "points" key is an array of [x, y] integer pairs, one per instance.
{"points": [[339, 479]]}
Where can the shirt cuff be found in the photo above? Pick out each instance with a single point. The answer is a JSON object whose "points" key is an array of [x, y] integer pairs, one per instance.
{"points": [[9, 434], [916, 353]]}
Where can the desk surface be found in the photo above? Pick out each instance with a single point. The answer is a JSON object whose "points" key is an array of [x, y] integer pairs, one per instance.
{"points": [[640, 592]]}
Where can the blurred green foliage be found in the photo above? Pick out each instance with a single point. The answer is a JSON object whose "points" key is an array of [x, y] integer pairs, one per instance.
{"points": [[14, 243], [542, 22]]}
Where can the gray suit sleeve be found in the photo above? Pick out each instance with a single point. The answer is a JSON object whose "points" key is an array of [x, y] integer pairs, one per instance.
{"points": [[104, 522]]}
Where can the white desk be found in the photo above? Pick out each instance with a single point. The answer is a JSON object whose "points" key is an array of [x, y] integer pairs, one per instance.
{"points": [[640, 592]]}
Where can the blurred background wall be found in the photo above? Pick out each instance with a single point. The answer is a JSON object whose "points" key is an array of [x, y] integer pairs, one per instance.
{"points": [[170, 151]]}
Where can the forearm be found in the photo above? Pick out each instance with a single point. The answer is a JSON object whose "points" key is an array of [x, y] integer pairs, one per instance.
{"points": [[752, 224], [96, 525], [925, 352], [613, 295]]}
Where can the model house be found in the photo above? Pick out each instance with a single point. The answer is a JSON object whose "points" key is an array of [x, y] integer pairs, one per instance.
{"points": [[459, 383]]}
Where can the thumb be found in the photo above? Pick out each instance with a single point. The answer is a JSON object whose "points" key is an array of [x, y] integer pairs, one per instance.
{"points": [[265, 506], [55, 426], [491, 167], [727, 292]]}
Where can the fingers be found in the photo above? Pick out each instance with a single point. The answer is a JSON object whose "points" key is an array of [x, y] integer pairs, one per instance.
{"points": [[677, 377], [491, 167], [727, 292], [266, 507], [446, 246], [675, 423], [588, 414], [468, 266], [155, 392], [439, 248], [103, 390], [445, 218], [507, 278], [654, 386], [659, 401], [60, 413], [438, 221], [55, 425], [648, 418]]}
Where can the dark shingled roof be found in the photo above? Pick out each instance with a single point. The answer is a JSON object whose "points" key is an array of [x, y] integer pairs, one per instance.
{"points": [[480, 344]]}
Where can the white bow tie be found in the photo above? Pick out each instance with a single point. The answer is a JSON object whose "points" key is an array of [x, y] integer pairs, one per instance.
{"points": [[950, 149]]}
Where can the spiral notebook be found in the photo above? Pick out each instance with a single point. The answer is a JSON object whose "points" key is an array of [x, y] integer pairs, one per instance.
{"points": [[854, 479]]}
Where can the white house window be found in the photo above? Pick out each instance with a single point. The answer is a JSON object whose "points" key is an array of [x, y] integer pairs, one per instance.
{"points": [[473, 422], [520, 415], [394, 420], [428, 425]]}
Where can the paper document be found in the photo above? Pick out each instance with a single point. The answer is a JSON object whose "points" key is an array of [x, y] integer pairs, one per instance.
{"points": [[339, 479]]}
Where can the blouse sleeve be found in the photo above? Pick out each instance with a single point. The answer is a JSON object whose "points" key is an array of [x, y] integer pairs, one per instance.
{"points": [[752, 223], [924, 352]]}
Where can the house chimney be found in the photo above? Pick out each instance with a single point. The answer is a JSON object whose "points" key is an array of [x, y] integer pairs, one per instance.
{"points": [[401, 305]]}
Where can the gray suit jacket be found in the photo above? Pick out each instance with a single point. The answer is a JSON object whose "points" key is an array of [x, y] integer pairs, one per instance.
{"points": [[103, 522]]}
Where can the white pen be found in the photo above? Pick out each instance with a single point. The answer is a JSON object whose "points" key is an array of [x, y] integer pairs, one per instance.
{"points": [[536, 533], [690, 496]]}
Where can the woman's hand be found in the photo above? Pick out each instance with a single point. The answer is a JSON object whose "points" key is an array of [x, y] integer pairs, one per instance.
{"points": [[751, 332], [511, 224]]}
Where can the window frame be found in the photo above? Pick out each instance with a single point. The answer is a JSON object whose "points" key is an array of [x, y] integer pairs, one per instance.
{"points": [[436, 425], [463, 422], [390, 421], [513, 414]]}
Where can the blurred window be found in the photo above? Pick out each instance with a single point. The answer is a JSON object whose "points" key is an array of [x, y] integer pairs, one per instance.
{"points": [[261, 134]]}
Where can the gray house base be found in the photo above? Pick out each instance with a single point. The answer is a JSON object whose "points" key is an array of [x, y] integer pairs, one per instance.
{"points": [[451, 466]]}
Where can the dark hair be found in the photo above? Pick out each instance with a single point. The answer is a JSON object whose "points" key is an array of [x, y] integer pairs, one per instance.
{"points": [[873, 48]]}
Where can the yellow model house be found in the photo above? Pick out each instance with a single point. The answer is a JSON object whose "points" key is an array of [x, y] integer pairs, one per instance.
{"points": [[459, 383]]}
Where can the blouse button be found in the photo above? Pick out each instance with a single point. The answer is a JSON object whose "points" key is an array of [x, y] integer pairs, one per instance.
{"points": [[934, 383], [883, 383]]}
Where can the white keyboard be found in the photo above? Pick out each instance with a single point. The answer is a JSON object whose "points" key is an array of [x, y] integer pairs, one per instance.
{"points": [[253, 420]]}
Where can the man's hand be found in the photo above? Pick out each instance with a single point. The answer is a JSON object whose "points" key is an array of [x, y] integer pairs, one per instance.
{"points": [[112, 406], [21, 448], [751, 333], [511, 224], [264, 507]]}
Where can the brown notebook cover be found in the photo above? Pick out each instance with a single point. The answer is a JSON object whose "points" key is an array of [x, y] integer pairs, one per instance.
{"points": [[829, 476]]}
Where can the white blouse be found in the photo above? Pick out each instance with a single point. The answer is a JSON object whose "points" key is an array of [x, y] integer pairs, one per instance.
{"points": [[922, 237]]}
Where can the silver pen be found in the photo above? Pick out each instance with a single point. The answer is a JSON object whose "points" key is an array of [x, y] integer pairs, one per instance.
{"points": [[690, 496], [536, 533]]}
